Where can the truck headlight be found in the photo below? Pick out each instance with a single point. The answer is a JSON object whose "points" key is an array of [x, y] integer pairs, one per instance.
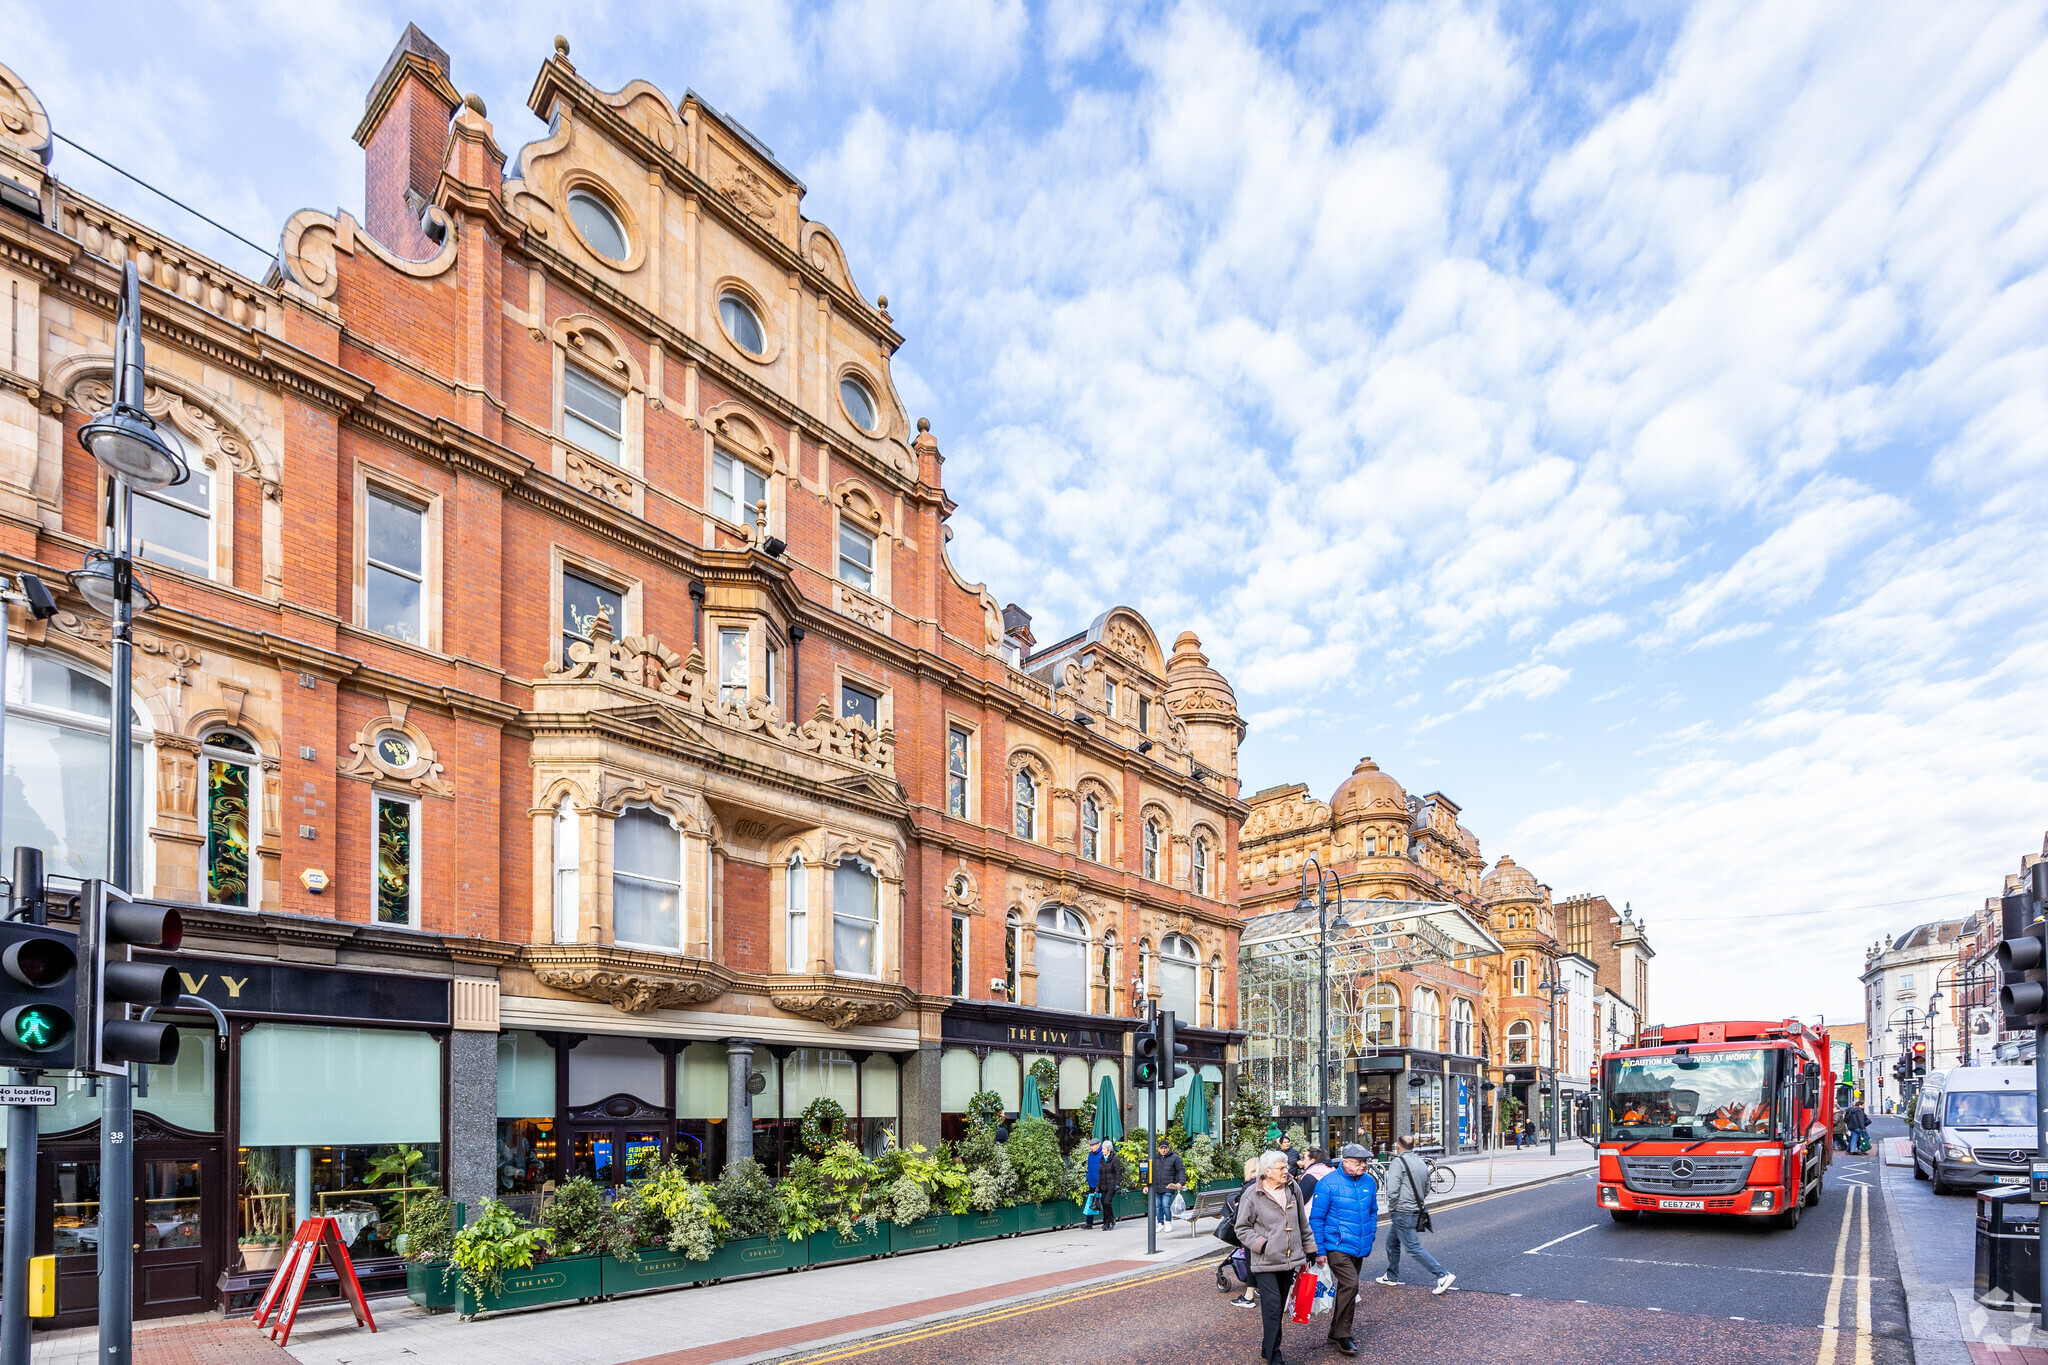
{"points": [[1763, 1200], [1608, 1198]]}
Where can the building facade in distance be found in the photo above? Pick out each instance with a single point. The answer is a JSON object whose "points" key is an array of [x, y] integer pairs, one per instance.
{"points": [[562, 719], [1901, 976]]}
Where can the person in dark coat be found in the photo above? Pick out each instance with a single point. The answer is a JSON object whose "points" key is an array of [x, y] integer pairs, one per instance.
{"points": [[1286, 1149], [1172, 1176], [1857, 1121], [1344, 1217], [1105, 1178], [1272, 1227]]}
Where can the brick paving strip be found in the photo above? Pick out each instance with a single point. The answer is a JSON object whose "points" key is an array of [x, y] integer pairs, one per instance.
{"points": [[896, 1315]]}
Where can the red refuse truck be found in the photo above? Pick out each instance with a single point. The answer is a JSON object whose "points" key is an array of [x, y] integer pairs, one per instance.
{"points": [[1730, 1118]]}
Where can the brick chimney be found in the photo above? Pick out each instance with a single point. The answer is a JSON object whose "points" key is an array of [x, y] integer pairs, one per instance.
{"points": [[404, 136]]}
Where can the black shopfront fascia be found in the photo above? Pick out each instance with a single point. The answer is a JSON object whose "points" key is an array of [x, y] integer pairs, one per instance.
{"points": [[984, 1024]]}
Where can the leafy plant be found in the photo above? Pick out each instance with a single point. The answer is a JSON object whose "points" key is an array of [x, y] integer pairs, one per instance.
{"points": [[1177, 1126], [397, 1165], [679, 1212], [266, 1214], [1202, 1160], [497, 1240], [429, 1229], [799, 1200], [1298, 1135], [853, 1186], [1084, 1117], [745, 1197], [1510, 1112], [1034, 1149], [824, 1119], [984, 1110], [912, 1181], [1048, 1082], [586, 1222]]}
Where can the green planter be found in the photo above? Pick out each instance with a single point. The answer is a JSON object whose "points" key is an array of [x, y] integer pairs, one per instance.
{"points": [[571, 1278], [432, 1287], [1130, 1203], [1066, 1213], [975, 1227], [657, 1268], [1224, 1184], [934, 1231], [755, 1256], [853, 1246], [1045, 1217]]}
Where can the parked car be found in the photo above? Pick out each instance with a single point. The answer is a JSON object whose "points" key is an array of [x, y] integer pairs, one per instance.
{"points": [[1974, 1126]]}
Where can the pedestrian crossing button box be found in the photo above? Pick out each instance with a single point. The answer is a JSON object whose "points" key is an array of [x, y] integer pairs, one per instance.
{"points": [[2008, 1249], [2038, 1185]]}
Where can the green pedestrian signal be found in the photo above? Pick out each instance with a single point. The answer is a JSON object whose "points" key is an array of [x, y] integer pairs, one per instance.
{"points": [[37, 1027], [38, 971]]}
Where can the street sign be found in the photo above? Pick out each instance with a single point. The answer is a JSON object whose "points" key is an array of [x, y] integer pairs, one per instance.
{"points": [[28, 1094]]}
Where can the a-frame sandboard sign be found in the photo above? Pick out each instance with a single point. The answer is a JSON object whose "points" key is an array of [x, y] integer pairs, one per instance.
{"points": [[288, 1286]]}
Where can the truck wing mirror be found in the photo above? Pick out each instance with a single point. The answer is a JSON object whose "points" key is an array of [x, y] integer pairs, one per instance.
{"points": [[1811, 1070]]}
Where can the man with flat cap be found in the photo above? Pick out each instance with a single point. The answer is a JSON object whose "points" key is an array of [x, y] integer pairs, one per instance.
{"points": [[1344, 1219]]}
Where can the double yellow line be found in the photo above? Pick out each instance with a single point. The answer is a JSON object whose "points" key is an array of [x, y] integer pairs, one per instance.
{"points": [[1831, 1326], [997, 1315]]}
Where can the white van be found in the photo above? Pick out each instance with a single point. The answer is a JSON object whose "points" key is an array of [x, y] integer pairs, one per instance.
{"points": [[1975, 1126]]}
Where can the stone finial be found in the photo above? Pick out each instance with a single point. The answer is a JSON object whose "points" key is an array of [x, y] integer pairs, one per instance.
{"points": [[924, 424], [882, 307], [475, 104], [561, 47], [601, 626]]}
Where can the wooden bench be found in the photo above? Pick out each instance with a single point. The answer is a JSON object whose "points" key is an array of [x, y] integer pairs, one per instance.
{"points": [[1208, 1204]]}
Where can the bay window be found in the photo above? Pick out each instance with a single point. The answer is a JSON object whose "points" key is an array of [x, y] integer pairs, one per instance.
{"points": [[647, 880]]}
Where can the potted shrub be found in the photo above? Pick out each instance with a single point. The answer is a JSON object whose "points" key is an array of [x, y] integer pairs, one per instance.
{"points": [[496, 1255], [852, 1195], [429, 1237], [263, 1212], [260, 1251], [1034, 1151], [992, 1186]]}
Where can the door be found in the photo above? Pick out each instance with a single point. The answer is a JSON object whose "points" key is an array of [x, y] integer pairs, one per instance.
{"points": [[613, 1155], [178, 1231]]}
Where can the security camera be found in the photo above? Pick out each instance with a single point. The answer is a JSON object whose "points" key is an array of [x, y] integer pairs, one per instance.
{"points": [[41, 604]]}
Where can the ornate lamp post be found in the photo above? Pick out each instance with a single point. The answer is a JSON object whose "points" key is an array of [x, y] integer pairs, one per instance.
{"points": [[1321, 905]]}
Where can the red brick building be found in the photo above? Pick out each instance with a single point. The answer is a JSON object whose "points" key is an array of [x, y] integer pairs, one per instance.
{"points": [[563, 717]]}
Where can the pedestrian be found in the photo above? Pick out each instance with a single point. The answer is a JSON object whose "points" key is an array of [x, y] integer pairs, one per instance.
{"points": [[1105, 1178], [1857, 1120], [1250, 1297], [1345, 1218], [1172, 1175], [1406, 1182], [1286, 1149], [1273, 1226], [1318, 1166]]}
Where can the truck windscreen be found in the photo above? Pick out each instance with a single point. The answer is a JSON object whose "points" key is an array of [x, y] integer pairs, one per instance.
{"points": [[1706, 1093]]}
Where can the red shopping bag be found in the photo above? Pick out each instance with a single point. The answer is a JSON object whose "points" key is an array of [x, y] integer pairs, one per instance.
{"points": [[1304, 1292]]}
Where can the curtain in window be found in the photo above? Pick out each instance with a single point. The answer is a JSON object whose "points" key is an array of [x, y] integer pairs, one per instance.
{"points": [[526, 1076], [959, 1079], [1061, 956], [336, 1087], [854, 914], [647, 858]]}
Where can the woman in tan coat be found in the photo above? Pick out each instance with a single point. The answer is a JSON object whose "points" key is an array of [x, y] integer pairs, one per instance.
{"points": [[1272, 1225]]}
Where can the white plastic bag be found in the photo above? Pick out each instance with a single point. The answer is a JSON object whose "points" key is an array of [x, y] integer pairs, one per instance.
{"points": [[1180, 1206], [1326, 1290]]}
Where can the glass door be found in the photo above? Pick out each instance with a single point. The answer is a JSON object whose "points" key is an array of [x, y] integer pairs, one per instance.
{"points": [[174, 1265], [177, 1236], [615, 1156]]}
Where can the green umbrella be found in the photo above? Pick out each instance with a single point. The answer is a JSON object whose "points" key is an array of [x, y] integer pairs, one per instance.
{"points": [[1032, 1107], [1196, 1117], [1109, 1120]]}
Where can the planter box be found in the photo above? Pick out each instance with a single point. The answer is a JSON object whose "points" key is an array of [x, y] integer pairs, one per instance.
{"points": [[934, 1231], [432, 1287], [1224, 1184], [975, 1227], [571, 1278], [1130, 1204], [1066, 1213], [754, 1256], [853, 1246], [1045, 1217], [657, 1268]]}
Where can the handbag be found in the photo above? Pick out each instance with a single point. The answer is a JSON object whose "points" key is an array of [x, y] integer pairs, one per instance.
{"points": [[1093, 1206], [1422, 1222]]}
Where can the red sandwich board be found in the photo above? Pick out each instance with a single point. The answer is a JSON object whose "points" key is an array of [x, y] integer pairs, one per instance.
{"points": [[288, 1286]]}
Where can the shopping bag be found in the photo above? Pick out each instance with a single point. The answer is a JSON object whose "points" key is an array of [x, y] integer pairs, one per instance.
{"points": [[1093, 1206], [1180, 1206], [1304, 1294], [1326, 1290]]}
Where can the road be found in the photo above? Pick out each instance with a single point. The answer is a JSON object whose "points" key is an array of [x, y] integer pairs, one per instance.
{"points": [[1541, 1264]]}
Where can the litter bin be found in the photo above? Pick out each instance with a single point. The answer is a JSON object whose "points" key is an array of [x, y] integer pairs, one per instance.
{"points": [[2008, 1249]]}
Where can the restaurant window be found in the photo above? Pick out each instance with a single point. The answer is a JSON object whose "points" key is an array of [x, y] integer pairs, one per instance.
{"points": [[956, 772], [582, 599], [1060, 953], [56, 755], [1178, 961], [526, 1112], [856, 905], [647, 879], [796, 907], [230, 796], [398, 859]]}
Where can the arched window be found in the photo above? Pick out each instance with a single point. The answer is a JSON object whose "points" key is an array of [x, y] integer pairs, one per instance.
{"points": [[1518, 976], [1013, 930], [230, 805], [1544, 1059], [1152, 849], [1201, 866], [647, 880], [1109, 971], [1026, 806], [1144, 977], [1461, 1027], [1518, 1043], [1427, 1033], [1091, 829], [796, 916], [856, 907], [1060, 953], [1381, 1021], [56, 788], [1177, 966], [567, 889]]}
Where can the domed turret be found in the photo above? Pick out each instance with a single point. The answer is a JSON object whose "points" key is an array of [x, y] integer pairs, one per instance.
{"points": [[1367, 793], [1509, 881], [1202, 699]]}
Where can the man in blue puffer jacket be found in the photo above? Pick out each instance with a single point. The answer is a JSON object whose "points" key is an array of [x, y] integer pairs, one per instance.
{"points": [[1344, 1219]]}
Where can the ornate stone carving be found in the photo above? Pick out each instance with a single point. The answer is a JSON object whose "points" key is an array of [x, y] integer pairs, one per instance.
{"points": [[838, 1011], [593, 475], [961, 896], [632, 992], [201, 428], [97, 632], [392, 748], [1123, 638], [749, 193]]}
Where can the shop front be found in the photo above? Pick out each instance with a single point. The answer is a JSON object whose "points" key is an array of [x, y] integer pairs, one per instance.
{"points": [[994, 1047], [1439, 1097], [324, 1097]]}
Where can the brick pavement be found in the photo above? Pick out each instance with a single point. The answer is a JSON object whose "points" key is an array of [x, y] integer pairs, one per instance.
{"points": [[204, 1340]]}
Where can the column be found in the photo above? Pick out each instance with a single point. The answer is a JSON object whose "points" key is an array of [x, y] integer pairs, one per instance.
{"points": [[472, 1157], [739, 1101], [917, 1115]]}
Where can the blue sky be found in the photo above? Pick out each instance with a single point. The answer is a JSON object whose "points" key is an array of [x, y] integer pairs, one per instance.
{"points": [[1632, 422]]}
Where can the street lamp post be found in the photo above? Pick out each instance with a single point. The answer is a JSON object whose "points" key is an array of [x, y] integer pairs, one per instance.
{"points": [[1322, 909], [125, 443], [1553, 986]]}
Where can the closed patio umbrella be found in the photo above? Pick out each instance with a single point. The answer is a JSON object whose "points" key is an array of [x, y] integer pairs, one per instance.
{"points": [[1109, 1120], [1195, 1119], [1031, 1107]]}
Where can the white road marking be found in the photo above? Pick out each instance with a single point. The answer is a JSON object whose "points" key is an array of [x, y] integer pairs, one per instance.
{"points": [[1692, 1265], [1830, 1326], [1555, 1240]]}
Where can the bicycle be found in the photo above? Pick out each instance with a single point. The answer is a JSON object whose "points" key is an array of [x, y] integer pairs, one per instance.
{"points": [[1443, 1178]]}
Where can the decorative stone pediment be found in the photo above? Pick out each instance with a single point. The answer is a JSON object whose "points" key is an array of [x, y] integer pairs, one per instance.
{"points": [[633, 982], [839, 1002]]}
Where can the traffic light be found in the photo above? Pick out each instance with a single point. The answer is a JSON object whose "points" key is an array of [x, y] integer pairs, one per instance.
{"points": [[1147, 1047], [1170, 1052], [37, 1028], [112, 922], [1919, 1057], [2023, 956]]}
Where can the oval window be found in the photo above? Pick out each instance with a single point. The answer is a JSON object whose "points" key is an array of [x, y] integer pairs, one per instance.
{"points": [[741, 324], [598, 224], [860, 404], [395, 749]]}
